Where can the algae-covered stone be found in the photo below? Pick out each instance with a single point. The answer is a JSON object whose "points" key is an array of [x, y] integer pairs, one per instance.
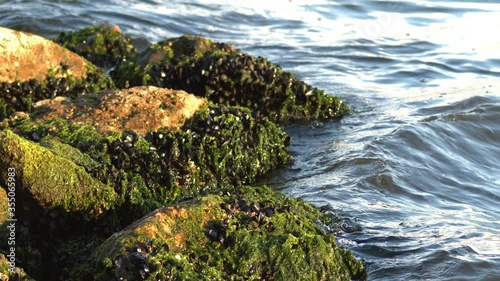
{"points": [[215, 147], [150, 152], [34, 68], [224, 75], [51, 180], [247, 234], [104, 45]]}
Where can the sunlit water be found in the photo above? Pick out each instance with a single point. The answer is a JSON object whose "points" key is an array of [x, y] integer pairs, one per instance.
{"points": [[417, 163]]}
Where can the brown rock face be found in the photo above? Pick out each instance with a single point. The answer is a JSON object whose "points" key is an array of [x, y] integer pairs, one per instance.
{"points": [[25, 56], [138, 109]]}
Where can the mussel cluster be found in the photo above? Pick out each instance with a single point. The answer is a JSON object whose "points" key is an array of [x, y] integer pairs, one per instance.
{"points": [[252, 82], [103, 45], [226, 76], [249, 214], [19, 96]]}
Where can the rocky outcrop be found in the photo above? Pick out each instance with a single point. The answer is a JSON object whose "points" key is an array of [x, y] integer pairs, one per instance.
{"points": [[159, 145], [93, 160], [188, 148]]}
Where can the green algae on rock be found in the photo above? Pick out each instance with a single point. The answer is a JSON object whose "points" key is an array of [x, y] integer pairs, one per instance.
{"points": [[34, 68], [51, 180], [57, 195], [216, 146], [104, 45], [226, 76], [249, 233]]}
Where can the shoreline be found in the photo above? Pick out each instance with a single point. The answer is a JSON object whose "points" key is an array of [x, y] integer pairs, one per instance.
{"points": [[210, 157]]}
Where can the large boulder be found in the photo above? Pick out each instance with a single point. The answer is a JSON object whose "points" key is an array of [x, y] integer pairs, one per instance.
{"points": [[34, 68], [247, 234]]}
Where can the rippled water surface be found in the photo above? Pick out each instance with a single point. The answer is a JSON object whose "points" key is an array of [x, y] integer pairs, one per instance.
{"points": [[416, 164]]}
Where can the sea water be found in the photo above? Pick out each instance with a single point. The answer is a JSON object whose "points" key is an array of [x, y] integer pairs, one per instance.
{"points": [[416, 165]]}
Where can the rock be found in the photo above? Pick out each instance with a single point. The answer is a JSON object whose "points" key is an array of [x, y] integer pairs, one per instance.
{"points": [[34, 68], [104, 45], [93, 160], [51, 180], [139, 109], [224, 75], [26, 56], [206, 240], [215, 148]]}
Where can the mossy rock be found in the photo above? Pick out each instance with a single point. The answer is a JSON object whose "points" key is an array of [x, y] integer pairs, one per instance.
{"points": [[217, 146], [224, 75], [104, 45], [34, 68], [56, 198], [52, 180], [246, 234]]}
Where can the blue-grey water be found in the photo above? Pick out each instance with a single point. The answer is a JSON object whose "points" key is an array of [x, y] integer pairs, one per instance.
{"points": [[417, 163]]}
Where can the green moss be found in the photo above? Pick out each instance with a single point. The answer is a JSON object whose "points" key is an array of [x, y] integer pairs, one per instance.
{"points": [[100, 44], [247, 234], [54, 181]]}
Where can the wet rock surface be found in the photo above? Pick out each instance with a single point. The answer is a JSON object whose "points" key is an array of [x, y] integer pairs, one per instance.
{"points": [[94, 160]]}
